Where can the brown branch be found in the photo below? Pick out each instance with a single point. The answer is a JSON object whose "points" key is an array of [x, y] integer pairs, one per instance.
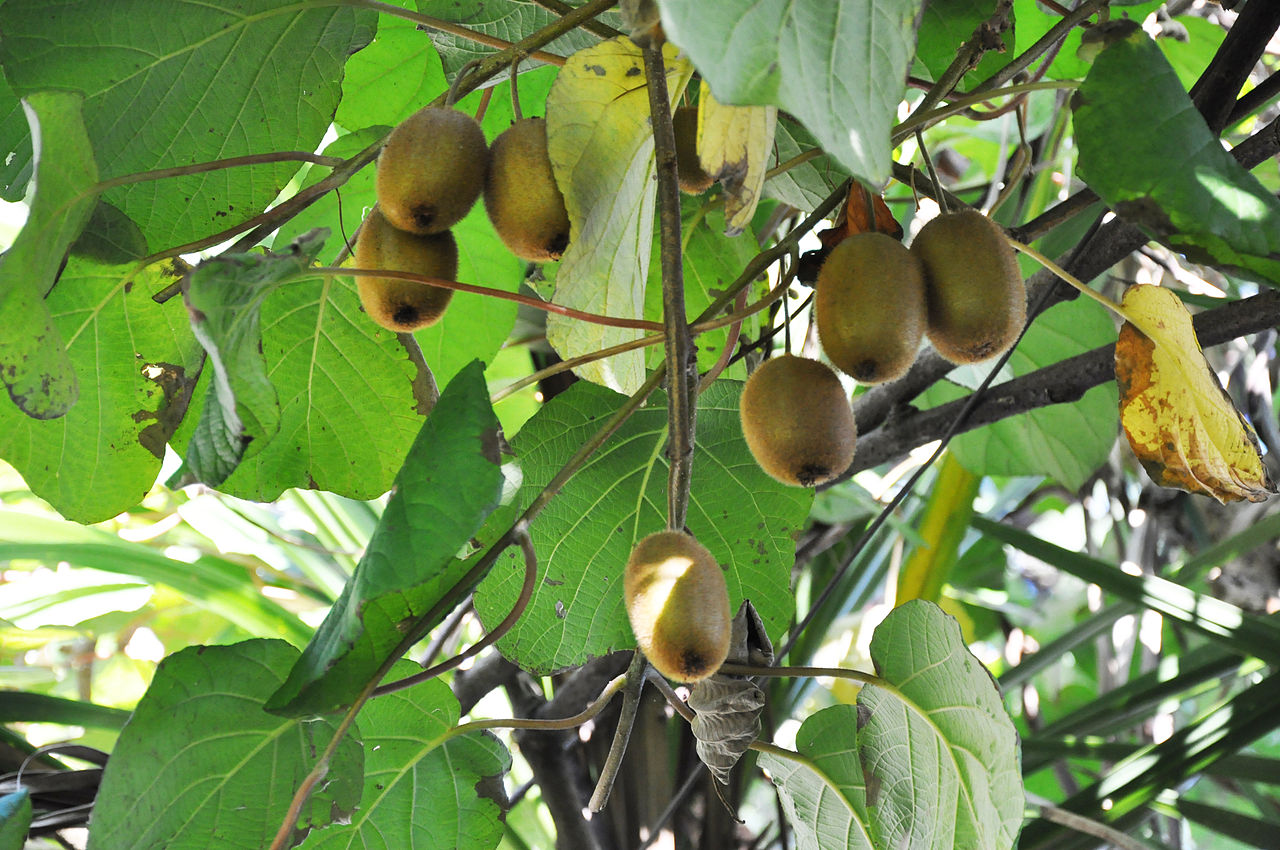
{"points": [[1043, 45], [594, 27], [1060, 383], [448, 27], [682, 363]]}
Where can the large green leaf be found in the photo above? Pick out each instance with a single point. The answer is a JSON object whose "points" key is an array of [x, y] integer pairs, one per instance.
{"points": [[930, 761], [584, 536], [839, 67], [1168, 173], [945, 25], [411, 755], [450, 482], [1067, 442], [173, 82], [600, 141], [396, 75], [104, 455], [807, 185], [202, 765], [34, 362], [350, 399]]}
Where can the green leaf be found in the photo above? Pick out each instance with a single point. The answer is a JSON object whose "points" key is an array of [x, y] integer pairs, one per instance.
{"points": [[169, 83], [104, 455], [450, 482], [712, 261], [350, 399], [930, 759], [807, 185], [1067, 442], [110, 237], [15, 820], [395, 76], [509, 20], [825, 795], [941, 754], [224, 296], [34, 364], [601, 146], [15, 136], [412, 755], [583, 538], [840, 68], [1168, 173], [201, 764], [216, 585], [945, 25]]}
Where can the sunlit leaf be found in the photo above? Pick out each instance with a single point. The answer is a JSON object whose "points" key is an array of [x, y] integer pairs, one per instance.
{"points": [[1180, 422], [930, 760], [601, 145]]}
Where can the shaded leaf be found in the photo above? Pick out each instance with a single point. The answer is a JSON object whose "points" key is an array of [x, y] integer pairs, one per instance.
{"points": [[34, 364], [449, 483], [1181, 424], [1168, 173], [585, 535], [947, 24], [221, 78], [840, 68], [734, 143], [411, 755], [201, 764], [104, 455], [110, 237], [601, 145], [18, 165], [808, 184]]}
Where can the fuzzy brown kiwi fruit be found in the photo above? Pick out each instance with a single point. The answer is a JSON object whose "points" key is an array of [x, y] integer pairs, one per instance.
{"points": [[521, 196], [797, 421], [403, 305], [431, 170], [977, 301], [689, 174], [870, 308], [678, 605]]}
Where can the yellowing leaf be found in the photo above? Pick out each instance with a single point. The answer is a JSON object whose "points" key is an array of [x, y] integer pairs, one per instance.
{"points": [[733, 146], [1180, 422], [601, 147]]}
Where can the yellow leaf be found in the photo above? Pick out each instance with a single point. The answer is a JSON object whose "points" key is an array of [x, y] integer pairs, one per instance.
{"points": [[1180, 422], [600, 142], [733, 145]]}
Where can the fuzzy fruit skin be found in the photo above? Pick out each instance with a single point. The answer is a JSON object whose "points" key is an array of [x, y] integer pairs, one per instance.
{"points": [[977, 300], [797, 421], [403, 305], [431, 170], [689, 174], [521, 196], [678, 605], [870, 307]]}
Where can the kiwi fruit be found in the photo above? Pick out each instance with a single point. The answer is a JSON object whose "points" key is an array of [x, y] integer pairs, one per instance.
{"points": [[797, 421], [977, 301], [521, 196], [403, 305], [689, 174], [431, 170], [678, 605], [870, 308]]}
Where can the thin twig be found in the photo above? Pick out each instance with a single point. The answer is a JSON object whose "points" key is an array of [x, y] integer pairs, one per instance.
{"points": [[598, 28], [546, 724], [518, 297], [446, 27], [1046, 42], [621, 733]]}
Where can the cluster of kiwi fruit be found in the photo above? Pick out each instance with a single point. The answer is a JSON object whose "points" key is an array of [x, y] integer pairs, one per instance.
{"points": [[433, 168], [958, 285], [678, 605]]}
